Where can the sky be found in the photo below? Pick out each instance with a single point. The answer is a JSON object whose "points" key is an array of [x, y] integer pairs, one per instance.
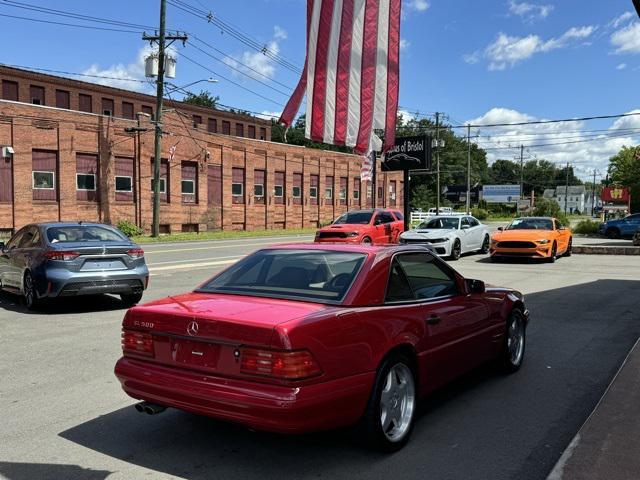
{"points": [[478, 62]]}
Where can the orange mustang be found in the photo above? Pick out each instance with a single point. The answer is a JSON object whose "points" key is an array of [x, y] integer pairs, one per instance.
{"points": [[533, 237]]}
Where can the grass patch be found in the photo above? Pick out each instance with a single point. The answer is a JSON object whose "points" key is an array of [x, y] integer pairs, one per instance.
{"points": [[221, 235]]}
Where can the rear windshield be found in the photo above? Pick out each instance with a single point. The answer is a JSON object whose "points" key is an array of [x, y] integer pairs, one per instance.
{"points": [[317, 275], [531, 224], [83, 233], [360, 218]]}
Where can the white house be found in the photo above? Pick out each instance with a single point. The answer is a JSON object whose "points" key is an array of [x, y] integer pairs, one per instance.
{"points": [[573, 198]]}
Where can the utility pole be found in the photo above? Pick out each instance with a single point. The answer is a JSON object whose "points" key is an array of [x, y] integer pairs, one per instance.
{"points": [[161, 38], [468, 169], [593, 194], [437, 163], [566, 190], [521, 171]]}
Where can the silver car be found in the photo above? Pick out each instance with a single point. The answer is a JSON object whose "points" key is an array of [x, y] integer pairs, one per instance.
{"points": [[49, 260]]}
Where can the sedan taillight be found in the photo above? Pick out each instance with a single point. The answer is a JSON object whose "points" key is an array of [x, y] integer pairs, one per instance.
{"points": [[137, 342], [61, 255], [289, 365], [135, 253]]}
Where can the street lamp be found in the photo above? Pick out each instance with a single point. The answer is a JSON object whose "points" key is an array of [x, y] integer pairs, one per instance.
{"points": [[183, 87]]}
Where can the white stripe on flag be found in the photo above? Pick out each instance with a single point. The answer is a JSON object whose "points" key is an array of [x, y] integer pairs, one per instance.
{"points": [[311, 64], [332, 67], [353, 122], [380, 104]]}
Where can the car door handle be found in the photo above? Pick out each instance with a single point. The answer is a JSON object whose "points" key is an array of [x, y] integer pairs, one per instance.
{"points": [[433, 320]]}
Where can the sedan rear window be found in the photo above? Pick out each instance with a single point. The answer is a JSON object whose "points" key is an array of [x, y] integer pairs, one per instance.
{"points": [[83, 233], [317, 275]]}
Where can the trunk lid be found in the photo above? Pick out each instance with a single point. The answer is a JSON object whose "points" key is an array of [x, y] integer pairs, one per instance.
{"points": [[97, 256]]}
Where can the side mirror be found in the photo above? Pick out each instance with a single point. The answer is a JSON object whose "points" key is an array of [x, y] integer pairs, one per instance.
{"points": [[377, 221], [475, 286], [562, 227], [500, 228], [466, 227]]}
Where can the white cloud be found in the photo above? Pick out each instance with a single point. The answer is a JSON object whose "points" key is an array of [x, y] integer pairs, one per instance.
{"points": [[507, 51], [616, 22], [407, 115], [404, 44], [529, 11], [417, 5], [251, 61], [269, 115], [627, 39], [563, 142], [120, 74], [621, 66]]}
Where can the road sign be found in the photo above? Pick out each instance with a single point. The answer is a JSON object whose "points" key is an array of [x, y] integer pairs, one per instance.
{"points": [[501, 193], [409, 153]]}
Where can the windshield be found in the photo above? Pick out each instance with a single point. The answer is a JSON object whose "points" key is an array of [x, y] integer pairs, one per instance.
{"points": [[360, 218], [531, 224], [83, 233], [444, 223], [317, 275]]}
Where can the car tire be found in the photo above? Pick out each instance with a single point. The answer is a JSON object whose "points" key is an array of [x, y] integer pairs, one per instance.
{"points": [[367, 241], [486, 244], [569, 248], [456, 250], [513, 346], [389, 416], [612, 233], [131, 299], [30, 292], [554, 253]]}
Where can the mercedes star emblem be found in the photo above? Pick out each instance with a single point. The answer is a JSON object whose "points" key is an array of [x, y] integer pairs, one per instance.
{"points": [[192, 328]]}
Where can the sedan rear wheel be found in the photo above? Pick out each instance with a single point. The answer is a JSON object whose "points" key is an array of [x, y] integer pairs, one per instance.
{"points": [[389, 416], [31, 300], [512, 354], [131, 299]]}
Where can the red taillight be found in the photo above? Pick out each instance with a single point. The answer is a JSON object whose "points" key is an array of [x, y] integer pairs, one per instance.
{"points": [[285, 365], [136, 253], [137, 342], [60, 255]]}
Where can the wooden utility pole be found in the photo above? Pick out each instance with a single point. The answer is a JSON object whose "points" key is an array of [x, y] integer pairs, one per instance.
{"points": [[566, 190], [468, 169], [437, 163]]}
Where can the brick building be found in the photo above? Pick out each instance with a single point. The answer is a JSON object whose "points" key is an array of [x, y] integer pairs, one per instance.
{"points": [[77, 165]]}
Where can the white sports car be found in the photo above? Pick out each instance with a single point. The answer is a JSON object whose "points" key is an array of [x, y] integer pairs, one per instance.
{"points": [[451, 236]]}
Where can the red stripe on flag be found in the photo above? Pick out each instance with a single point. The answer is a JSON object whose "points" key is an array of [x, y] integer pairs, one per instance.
{"points": [[293, 105], [320, 74], [368, 85], [342, 75], [393, 74]]}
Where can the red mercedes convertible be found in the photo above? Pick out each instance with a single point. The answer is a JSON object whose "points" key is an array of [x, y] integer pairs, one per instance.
{"points": [[303, 337]]}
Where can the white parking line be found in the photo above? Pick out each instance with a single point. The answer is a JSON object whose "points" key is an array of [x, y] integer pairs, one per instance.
{"points": [[214, 247], [193, 265], [176, 262]]}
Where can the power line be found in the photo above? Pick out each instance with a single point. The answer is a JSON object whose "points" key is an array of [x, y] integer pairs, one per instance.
{"points": [[51, 22], [63, 72]]}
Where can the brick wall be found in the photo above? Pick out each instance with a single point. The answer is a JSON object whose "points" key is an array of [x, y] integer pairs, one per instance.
{"points": [[70, 134]]}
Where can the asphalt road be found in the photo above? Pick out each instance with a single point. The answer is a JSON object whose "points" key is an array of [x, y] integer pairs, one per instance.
{"points": [[64, 416]]}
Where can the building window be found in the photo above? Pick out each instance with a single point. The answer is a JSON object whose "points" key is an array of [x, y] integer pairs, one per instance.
{"points": [[313, 189], [107, 107], [10, 90], [263, 133], [165, 180], [124, 184], [343, 190], [188, 187], [237, 185], [146, 109], [63, 99], [356, 189], [212, 125], [278, 191], [278, 188], [296, 190], [259, 177], [127, 110], [37, 95], [197, 120], [189, 182], [84, 103], [44, 180], [226, 127], [239, 130], [251, 131], [86, 182], [163, 185], [313, 192], [328, 189]]}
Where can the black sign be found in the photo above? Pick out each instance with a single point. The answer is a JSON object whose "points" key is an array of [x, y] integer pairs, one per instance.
{"points": [[409, 153]]}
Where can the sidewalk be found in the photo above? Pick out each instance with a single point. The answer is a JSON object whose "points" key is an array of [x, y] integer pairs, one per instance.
{"points": [[608, 444]]}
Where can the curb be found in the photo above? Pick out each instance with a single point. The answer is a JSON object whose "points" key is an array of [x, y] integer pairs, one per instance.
{"points": [[601, 250]]}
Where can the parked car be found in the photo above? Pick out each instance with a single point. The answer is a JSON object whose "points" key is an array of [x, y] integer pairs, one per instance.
{"points": [[441, 211], [532, 237], [636, 238], [623, 227], [304, 337], [372, 226], [451, 236], [49, 260]]}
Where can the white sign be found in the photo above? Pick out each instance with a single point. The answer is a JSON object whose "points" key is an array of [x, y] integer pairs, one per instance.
{"points": [[501, 193]]}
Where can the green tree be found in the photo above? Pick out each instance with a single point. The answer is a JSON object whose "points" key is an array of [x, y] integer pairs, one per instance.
{"points": [[624, 170], [295, 136], [202, 99]]}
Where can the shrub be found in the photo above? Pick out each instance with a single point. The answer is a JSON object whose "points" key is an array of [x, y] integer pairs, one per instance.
{"points": [[550, 208], [480, 213], [586, 227], [129, 229]]}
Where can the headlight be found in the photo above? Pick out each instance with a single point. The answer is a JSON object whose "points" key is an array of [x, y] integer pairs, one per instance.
{"points": [[439, 240], [352, 234], [544, 241]]}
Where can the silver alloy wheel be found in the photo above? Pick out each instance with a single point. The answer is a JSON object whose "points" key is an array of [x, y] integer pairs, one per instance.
{"points": [[397, 402], [515, 340], [29, 290]]}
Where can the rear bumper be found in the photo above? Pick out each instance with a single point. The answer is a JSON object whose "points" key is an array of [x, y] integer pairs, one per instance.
{"points": [[63, 283], [275, 408]]}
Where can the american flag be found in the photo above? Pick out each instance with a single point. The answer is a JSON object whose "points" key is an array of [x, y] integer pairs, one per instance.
{"points": [[351, 72], [366, 171]]}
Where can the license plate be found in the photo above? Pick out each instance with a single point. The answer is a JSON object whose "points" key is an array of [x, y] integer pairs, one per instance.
{"points": [[194, 353], [102, 265]]}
